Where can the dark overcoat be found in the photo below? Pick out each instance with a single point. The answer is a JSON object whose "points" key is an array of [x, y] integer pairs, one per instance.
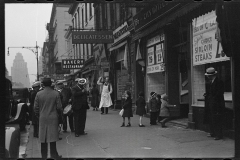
{"points": [[32, 98], [214, 100], [127, 106], [79, 98], [154, 105], [46, 104], [95, 97], [140, 103], [66, 94]]}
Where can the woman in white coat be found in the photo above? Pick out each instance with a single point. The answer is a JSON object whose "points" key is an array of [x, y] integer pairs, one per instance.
{"points": [[106, 90]]}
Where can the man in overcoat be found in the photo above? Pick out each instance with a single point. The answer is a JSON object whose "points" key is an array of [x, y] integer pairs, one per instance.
{"points": [[214, 104], [79, 106], [66, 95], [46, 104]]}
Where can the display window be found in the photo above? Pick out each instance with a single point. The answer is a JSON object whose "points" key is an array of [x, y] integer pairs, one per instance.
{"points": [[155, 75]]}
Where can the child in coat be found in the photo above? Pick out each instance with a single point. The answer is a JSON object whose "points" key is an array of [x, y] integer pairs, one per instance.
{"points": [[141, 103], [153, 107], [164, 111], [127, 106]]}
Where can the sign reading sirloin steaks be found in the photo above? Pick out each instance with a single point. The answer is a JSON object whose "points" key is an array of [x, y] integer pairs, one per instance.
{"points": [[79, 37], [72, 63]]}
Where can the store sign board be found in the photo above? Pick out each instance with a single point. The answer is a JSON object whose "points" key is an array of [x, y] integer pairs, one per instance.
{"points": [[150, 14], [154, 40], [84, 37], [121, 32], [72, 63], [94, 67], [206, 48], [156, 68]]}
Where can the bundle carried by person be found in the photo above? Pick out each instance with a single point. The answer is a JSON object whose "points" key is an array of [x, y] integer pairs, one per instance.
{"points": [[68, 110]]}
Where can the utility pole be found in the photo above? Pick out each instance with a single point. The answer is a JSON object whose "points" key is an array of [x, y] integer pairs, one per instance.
{"points": [[35, 52]]}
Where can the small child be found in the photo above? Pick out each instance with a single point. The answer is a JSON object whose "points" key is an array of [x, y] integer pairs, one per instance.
{"points": [[141, 103], [164, 111], [153, 107]]}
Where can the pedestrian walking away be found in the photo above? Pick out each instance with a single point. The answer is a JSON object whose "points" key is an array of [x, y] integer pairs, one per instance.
{"points": [[106, 91], [164, 111], [95, 97], [66, 95], [153, 108], [141, 104], [46, 104], [214, 104], [35, 120], [80, 106], [127, 109]]}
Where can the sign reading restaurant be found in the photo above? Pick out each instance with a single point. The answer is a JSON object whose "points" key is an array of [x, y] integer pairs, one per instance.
{"points": [[81, 37], [72, 63]]}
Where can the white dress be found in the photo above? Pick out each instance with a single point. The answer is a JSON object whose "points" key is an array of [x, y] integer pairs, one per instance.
{"points": [[105, 97]]}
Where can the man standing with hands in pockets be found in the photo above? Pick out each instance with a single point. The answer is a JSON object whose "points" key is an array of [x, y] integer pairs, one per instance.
{"points": [[106, 90]]}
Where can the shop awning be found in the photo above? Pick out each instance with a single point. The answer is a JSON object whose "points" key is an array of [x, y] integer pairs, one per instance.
{"points": [[118, 46]]}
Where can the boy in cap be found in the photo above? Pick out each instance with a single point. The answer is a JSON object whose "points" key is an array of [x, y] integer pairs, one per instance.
{"points": [[153, 108]]}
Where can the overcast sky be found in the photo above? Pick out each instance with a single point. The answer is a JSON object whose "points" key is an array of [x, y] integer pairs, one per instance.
{"points": [[24, 25]]}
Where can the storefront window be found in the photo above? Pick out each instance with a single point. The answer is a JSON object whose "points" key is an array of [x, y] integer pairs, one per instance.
{"points": [[155, 72], [207, 52]]}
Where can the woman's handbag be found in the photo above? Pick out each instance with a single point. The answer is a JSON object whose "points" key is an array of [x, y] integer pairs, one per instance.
{"points": [[68, 110], [121, 112]]}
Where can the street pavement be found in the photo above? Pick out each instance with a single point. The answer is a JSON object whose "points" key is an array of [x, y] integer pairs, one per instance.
{"points": [[106, 139]]}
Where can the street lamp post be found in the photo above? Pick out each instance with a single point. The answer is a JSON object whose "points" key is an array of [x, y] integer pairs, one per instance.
{"points": [[31, 49]]}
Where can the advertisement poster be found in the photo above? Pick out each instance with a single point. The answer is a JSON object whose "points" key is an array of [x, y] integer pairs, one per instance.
{"points": [[159, 53], [150, 53], [206, 48], [122, 79]]}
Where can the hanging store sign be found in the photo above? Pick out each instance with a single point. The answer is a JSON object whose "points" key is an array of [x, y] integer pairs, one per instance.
{"points": [[150, 14], [156, 68], [206, 48], [94, 67], [84, 37], [121, 32], [72, 63]]}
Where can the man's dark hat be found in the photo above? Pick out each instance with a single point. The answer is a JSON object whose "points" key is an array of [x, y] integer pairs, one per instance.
{"points": [[153, 94], [46, 80], [82, 81]]}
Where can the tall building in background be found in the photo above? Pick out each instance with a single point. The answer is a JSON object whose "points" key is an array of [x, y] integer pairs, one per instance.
{"points": [[19, 72]]}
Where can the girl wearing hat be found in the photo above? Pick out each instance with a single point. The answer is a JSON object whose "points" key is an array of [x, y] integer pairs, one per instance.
{"points": [[153, 108], [127, 106], [164, 111]]}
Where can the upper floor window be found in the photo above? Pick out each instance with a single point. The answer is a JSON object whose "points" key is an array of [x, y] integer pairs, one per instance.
{"points": [[86, 20]]}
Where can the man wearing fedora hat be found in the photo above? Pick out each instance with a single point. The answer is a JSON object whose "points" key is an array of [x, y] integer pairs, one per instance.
{"points": [[46, 104], [214, 104], [79, 106]]}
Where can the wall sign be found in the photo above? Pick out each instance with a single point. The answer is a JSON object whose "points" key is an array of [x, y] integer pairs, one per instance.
{"points": [[150, 14], [156, 68], [150, 53], [84, 37], [205, 44], [72, 63]]}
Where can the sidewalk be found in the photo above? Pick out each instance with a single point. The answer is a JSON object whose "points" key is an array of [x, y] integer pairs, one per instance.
{"points": [[106, 139]]}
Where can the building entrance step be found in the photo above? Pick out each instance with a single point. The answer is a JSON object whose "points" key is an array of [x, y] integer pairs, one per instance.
{"points": [[183, 122]]}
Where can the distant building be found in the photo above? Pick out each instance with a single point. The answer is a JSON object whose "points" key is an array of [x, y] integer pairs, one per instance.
{"points": [[19, 71]]}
